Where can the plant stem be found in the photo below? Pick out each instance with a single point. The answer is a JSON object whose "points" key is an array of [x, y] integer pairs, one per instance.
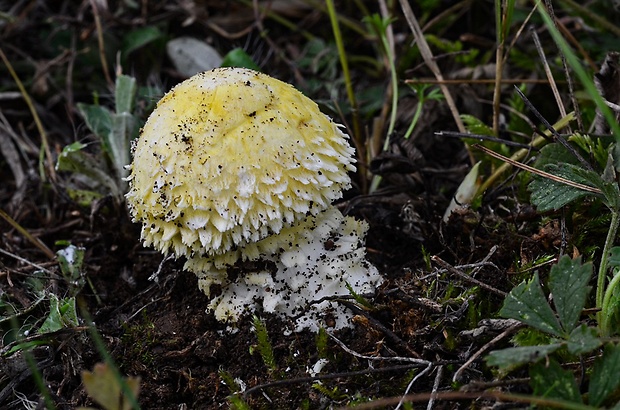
{"points": [[602, 271], [376, 180], [342, 54], [416, 117], [394, 79], [605, 309]]}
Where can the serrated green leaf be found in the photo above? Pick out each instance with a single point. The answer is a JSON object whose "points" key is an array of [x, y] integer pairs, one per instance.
{"points": [[528, 304], [604, 380], [508, 359], [583, 339], [548, 195], [554, 153], [568, 281], [551, 381], [610, 190]]}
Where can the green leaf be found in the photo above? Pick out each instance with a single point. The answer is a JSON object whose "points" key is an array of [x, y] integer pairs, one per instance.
{"points": [[508, 359], [548, 195], [527, 303], [604, 379], [610, 190], [568, 282], [139, 38], [583, 339], [98, 119], [237, 57], [614, 257], [125, 128], [611, 310], [125, 93], [264, 344], [70, 260], [83, 197], [476, 126], [74, 159], [104, 387], [551, 195], [596, 147], [62, 314], [554, 153], [551, 381]]}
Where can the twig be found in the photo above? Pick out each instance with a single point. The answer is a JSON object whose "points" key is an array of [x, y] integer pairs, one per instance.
{"points": [[489, 395], [102, 57], [483, 349], [26, 261], [517, 35], [509, 143], [438, 377], [567, 73], [570, 38], [375, 358], [430, 62], [378, 325], [583, 10], [417, 376], [537, 171], [458, 81], [552, 84], [536, 142], [311, 379], [555, 134], [35, 241], [484, 261], [500, 30], [465, 276], [51, 171]]}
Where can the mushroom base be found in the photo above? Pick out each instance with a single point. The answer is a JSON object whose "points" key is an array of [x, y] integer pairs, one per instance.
{"points": [[300, 282]]}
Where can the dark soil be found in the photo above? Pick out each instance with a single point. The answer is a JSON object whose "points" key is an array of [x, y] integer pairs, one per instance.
{"points": [[159, 331]]}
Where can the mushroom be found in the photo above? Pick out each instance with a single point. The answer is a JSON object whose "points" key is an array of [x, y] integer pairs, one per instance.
{"points": [[237, 171]]}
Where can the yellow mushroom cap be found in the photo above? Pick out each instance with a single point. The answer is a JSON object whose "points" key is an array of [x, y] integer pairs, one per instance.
{"points": [[229, 157]]}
